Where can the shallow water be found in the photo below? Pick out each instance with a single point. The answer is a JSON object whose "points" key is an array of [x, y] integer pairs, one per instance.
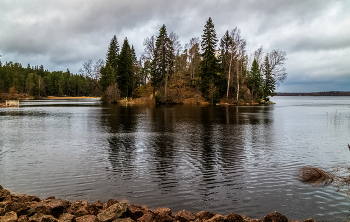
{"points": [[222, 159]]}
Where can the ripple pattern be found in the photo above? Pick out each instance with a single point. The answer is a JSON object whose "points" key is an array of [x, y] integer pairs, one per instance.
{"points": [[220, 159]]}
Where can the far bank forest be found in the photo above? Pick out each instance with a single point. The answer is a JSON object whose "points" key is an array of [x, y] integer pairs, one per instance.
{"points": [[204, 70]]}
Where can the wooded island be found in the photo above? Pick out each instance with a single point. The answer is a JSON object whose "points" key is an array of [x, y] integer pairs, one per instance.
{"points": [[203, 70]]}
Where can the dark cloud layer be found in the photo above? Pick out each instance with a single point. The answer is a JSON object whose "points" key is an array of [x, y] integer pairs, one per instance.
{"points": [[63, 34]]}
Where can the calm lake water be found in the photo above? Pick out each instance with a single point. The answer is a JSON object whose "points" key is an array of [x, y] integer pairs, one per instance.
{"points": [[221, 159]]}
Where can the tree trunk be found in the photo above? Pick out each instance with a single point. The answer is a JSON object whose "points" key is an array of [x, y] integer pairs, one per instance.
{"points": [[229, 77], [166, 81], [237, 71]]}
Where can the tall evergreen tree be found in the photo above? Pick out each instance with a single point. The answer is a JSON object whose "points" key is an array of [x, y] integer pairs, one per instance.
{"points": [[124, 72], [255, 80], [209, 64], [162, 59], [113, 53], [269, 86], [107, 76], [225, 44]]}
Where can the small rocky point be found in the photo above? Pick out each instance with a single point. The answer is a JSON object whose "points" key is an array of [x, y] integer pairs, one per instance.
{"points": [[27, 208]]}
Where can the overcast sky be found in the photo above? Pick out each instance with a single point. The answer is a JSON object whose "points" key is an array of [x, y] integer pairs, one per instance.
{"points": [[63, 34]]}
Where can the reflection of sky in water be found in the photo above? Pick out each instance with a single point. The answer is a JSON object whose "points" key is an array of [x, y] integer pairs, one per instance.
{"points": [[221, 159]]}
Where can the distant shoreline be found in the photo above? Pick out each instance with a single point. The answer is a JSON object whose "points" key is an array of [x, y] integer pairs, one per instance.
{"points": [[329, 93]]}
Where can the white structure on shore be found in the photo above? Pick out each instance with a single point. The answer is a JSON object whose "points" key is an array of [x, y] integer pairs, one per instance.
{"points": [[12, 102]]}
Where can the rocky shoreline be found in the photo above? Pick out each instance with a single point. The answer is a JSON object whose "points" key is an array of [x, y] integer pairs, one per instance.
{"points": [[27, 208]]}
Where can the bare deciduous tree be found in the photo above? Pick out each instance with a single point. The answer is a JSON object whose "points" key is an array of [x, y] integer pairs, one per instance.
{"points": [[175, 41], [193, 48], [93, 71], [148, 53], [277, 59], [237, 56]]}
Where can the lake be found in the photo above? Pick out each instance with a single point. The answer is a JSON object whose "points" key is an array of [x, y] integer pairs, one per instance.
{"points": [[222, 159]]}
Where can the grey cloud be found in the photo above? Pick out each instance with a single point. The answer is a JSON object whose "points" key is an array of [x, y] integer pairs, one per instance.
{"points": [[63, 34]]}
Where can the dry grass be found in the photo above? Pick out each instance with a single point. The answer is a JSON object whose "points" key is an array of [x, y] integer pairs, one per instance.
{"points": [[316, 176], [72, 97], [338, 177]]}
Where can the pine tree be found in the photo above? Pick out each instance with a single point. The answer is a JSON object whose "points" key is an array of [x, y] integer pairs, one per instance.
{"points": [[124, 72], [209, 64], [113, 53]]}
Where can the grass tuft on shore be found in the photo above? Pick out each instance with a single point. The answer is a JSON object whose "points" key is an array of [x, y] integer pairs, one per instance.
{"points": [[316, 176]]}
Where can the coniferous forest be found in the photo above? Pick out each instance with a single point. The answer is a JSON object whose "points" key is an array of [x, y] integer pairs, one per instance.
{"points": [[208, 69]]}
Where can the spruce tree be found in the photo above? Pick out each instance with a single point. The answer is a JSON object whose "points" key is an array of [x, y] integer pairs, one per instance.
{"points": [[113, 53], [209, 63], [269, 81], [225, 54], [255, 80], [124, 72], [107, 76], [162, 59]]}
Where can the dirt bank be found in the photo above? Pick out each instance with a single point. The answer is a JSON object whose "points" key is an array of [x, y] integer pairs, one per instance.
{"points": [[27, 208]]}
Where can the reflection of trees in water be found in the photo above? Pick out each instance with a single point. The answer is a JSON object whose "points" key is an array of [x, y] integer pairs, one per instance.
{"points": [[224, 139], [201, 149], [163, 145], [220, 150], [120, 122]]}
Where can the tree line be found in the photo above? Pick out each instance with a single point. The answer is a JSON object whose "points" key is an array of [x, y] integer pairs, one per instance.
{"points": [[206, 68], [37, 82]]}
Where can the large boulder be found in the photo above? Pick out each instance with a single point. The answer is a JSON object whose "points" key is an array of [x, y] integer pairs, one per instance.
{"points": [[163, 214], [147, 217], [92, 209], [275, 217], [309, 220], [185, 216], [217, 218], [203, 216], [22, 198], [163, 210], [109, 203], [113, 212], [124, 220], [78, 209], [48, 218], [36, 217], [5, 195], [65, 217], [86, 218], [19, 208], [23, 218], [135, 212], [54, 207], [98, 204], [9, 217], [234, 218], [2, 211]]}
